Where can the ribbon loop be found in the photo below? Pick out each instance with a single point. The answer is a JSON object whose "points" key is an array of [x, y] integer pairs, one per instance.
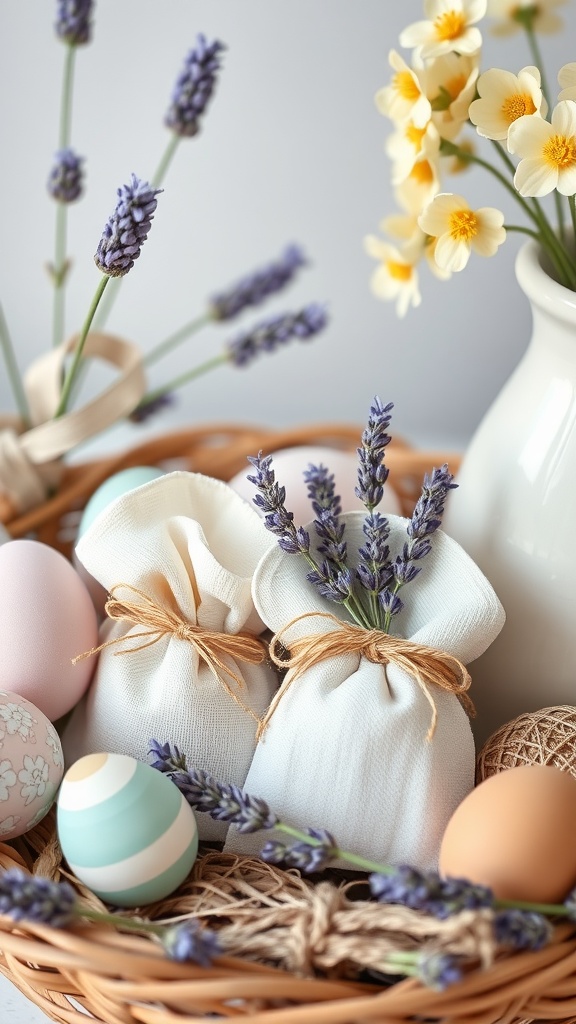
{"points": [[428, 666], [210, 645]]}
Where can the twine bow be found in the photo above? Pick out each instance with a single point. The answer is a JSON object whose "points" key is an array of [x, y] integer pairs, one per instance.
{"points": [[428, 666], [209, 644]]}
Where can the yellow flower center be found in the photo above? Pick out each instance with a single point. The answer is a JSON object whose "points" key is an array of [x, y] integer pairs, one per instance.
{"points": [[422, 172], [455, 85], [560, 151], [415, 135], [405, 85], [463, 225], [449, 25], [516, 106], [399, 271]]}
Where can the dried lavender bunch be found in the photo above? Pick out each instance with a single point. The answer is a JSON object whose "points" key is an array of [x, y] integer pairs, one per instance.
{"points": [[65, 180], [428, 892], [127, 228], [252, 289], [73, 21], [194, 87], [33, 898], [270, 334]]}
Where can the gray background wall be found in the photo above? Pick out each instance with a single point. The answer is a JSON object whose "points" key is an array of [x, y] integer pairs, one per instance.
{"points": [[292, 150]]}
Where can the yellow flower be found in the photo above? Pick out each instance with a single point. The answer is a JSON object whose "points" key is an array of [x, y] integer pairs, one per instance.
{"points": [[547, 151], [567, 82], [504, 98], [403, 99], [450, 83], [458, 230], [408, 146], [396, 276], [545, 18], [449, 28]]}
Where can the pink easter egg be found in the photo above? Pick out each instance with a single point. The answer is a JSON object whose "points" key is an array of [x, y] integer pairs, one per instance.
{"points": [[31, 765], [46, 619]]}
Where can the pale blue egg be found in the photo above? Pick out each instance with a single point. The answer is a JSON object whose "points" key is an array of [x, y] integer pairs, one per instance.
{"points": [[125, 829], [120, 483]]}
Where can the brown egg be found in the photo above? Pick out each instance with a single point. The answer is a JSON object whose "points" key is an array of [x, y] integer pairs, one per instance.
{"points": [[516, 833]]}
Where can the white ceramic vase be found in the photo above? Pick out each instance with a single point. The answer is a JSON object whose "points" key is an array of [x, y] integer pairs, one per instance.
{"points": [[515, 512]]}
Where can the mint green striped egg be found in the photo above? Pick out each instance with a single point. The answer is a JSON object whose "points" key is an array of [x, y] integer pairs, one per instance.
{"points": [[125, 829]]}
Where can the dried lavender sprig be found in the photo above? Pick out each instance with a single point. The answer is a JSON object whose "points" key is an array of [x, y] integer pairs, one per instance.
{"points": [[167, 757], [66, 178], [372, 473], [252, 289], [333, 583], [327, 507], [428, 892], [127, 228], [374, 569], [194, 87], [522, 929], [26, 897], [425, 520], [73, 21], [270, 334], [303, 854], [146, 409]]}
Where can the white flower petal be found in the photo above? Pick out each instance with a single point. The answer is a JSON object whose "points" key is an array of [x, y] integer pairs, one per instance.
{"points": [[564, 118], [535, 178], [567, 76], [416, 34], [451, 254], [528, 135], [567, 181]]}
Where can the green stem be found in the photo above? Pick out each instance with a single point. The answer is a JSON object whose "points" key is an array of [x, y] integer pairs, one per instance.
{"points": [[549, 909], [66, 98], [74, 366], [165, 161], [13, 371], [572, 205], [175, 339], [185, 378], [59, 273], [524, 231], [353, 858], [129, 923]]}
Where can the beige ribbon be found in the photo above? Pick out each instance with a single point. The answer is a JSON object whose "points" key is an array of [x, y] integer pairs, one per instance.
{"points": [[426, 665], [29, 461], [162, 621]]}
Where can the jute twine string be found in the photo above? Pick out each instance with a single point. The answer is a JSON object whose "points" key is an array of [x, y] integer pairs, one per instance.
{"points": [[547, 736], [210, 645], [277, 917], [428, 666]]}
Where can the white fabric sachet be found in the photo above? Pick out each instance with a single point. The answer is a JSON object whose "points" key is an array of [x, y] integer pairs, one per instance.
{"points": [[346, 747], [187, 545]]}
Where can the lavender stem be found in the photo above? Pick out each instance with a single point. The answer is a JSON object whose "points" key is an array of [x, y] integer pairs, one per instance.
{"points": [[74, 366]]}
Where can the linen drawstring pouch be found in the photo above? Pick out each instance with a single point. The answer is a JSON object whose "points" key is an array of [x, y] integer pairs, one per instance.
{"points": [[367, 736], [180, 658]]}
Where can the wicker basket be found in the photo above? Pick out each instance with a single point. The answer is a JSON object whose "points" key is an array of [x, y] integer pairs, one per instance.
{"points": [[299, 950]]}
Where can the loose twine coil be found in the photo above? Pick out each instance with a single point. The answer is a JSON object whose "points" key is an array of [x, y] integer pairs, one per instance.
{"points": [[428, 666], [210, 645]]}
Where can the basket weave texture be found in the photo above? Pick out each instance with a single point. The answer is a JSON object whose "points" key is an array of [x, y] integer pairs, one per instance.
{"points": [[297, 951]]}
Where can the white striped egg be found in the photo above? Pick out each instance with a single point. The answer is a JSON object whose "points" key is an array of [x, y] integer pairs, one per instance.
{"points": [[125, 829]]}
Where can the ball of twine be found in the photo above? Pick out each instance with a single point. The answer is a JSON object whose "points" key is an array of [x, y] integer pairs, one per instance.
{"points": [[547, 736]]}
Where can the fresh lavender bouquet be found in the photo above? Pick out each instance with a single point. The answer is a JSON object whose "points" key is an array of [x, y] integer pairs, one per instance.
{"points": [[120, 245], [370, 591]]}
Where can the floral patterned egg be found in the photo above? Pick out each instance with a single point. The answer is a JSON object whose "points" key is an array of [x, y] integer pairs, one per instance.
{"points": [[31, 765]]}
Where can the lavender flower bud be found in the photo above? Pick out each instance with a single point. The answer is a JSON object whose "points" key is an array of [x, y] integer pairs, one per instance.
{"points": [[127, 228], [522, 929], [167, 758], [223, 801], [270, 334], [189, 942], [271, 501], [146, 409], [31, 898], [254, 288], [65, 181], [194, 87], [438, 970], [331, 583], [374, 570], [305, 856], [428, 892], [73, 21], [372, 474]]}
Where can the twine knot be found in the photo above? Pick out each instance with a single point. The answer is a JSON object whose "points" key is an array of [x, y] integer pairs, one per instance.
{"points": [[210, 645], [428, 666]]}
